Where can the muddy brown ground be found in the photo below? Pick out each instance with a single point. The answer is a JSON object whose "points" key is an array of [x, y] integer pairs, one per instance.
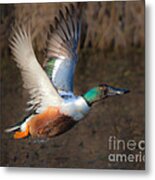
{"points": [[85, 145]]}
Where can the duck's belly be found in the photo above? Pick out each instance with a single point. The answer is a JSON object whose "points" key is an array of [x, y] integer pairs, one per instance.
{"points": [[50, 123]]}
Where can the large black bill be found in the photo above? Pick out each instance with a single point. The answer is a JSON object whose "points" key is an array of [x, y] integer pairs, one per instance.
{"points": [[116, 91]]}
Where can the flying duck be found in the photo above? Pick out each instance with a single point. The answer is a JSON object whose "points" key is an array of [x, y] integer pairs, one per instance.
{"points": [[53, 106]]}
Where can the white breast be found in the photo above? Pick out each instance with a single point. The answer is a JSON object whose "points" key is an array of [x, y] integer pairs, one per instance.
{"points": [[76, 108]]}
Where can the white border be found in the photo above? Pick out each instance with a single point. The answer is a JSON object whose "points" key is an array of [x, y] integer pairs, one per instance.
{"points": [[72, 174]]}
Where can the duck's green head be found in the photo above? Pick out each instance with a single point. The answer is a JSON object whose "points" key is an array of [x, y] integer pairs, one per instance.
{"points": [[101, 92]]}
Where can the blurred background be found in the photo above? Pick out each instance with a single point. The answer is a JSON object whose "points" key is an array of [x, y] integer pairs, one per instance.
{"points": [[111, 50]]}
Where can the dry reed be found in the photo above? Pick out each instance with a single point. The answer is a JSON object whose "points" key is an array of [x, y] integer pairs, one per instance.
{"points": [[106, 25]]}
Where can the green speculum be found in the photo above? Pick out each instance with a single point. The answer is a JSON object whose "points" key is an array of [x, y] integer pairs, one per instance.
{"points": [[49, 66]]}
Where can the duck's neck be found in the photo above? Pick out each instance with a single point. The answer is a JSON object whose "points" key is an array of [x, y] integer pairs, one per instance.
{"points": [[93, 95]]}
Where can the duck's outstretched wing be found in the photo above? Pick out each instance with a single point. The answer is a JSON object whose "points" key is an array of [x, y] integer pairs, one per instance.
{"points": [[61, 49], [42, 93]]}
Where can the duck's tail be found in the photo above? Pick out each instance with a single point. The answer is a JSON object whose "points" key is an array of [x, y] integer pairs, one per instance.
{"points": [[12, 129], [15, 127], [18, 125], [20, 130]]}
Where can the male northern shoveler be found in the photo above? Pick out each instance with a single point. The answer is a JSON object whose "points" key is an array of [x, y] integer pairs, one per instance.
{"points": [[55, 107]]}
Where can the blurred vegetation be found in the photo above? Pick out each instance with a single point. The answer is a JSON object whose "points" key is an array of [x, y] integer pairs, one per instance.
{"points": [[106, 25]]}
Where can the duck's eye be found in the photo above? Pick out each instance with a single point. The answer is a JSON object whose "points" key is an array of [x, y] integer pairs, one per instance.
{"points": [[103, 88]]}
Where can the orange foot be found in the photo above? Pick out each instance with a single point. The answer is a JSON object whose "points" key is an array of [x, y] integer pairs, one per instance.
{"points": [[21, 134]]}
